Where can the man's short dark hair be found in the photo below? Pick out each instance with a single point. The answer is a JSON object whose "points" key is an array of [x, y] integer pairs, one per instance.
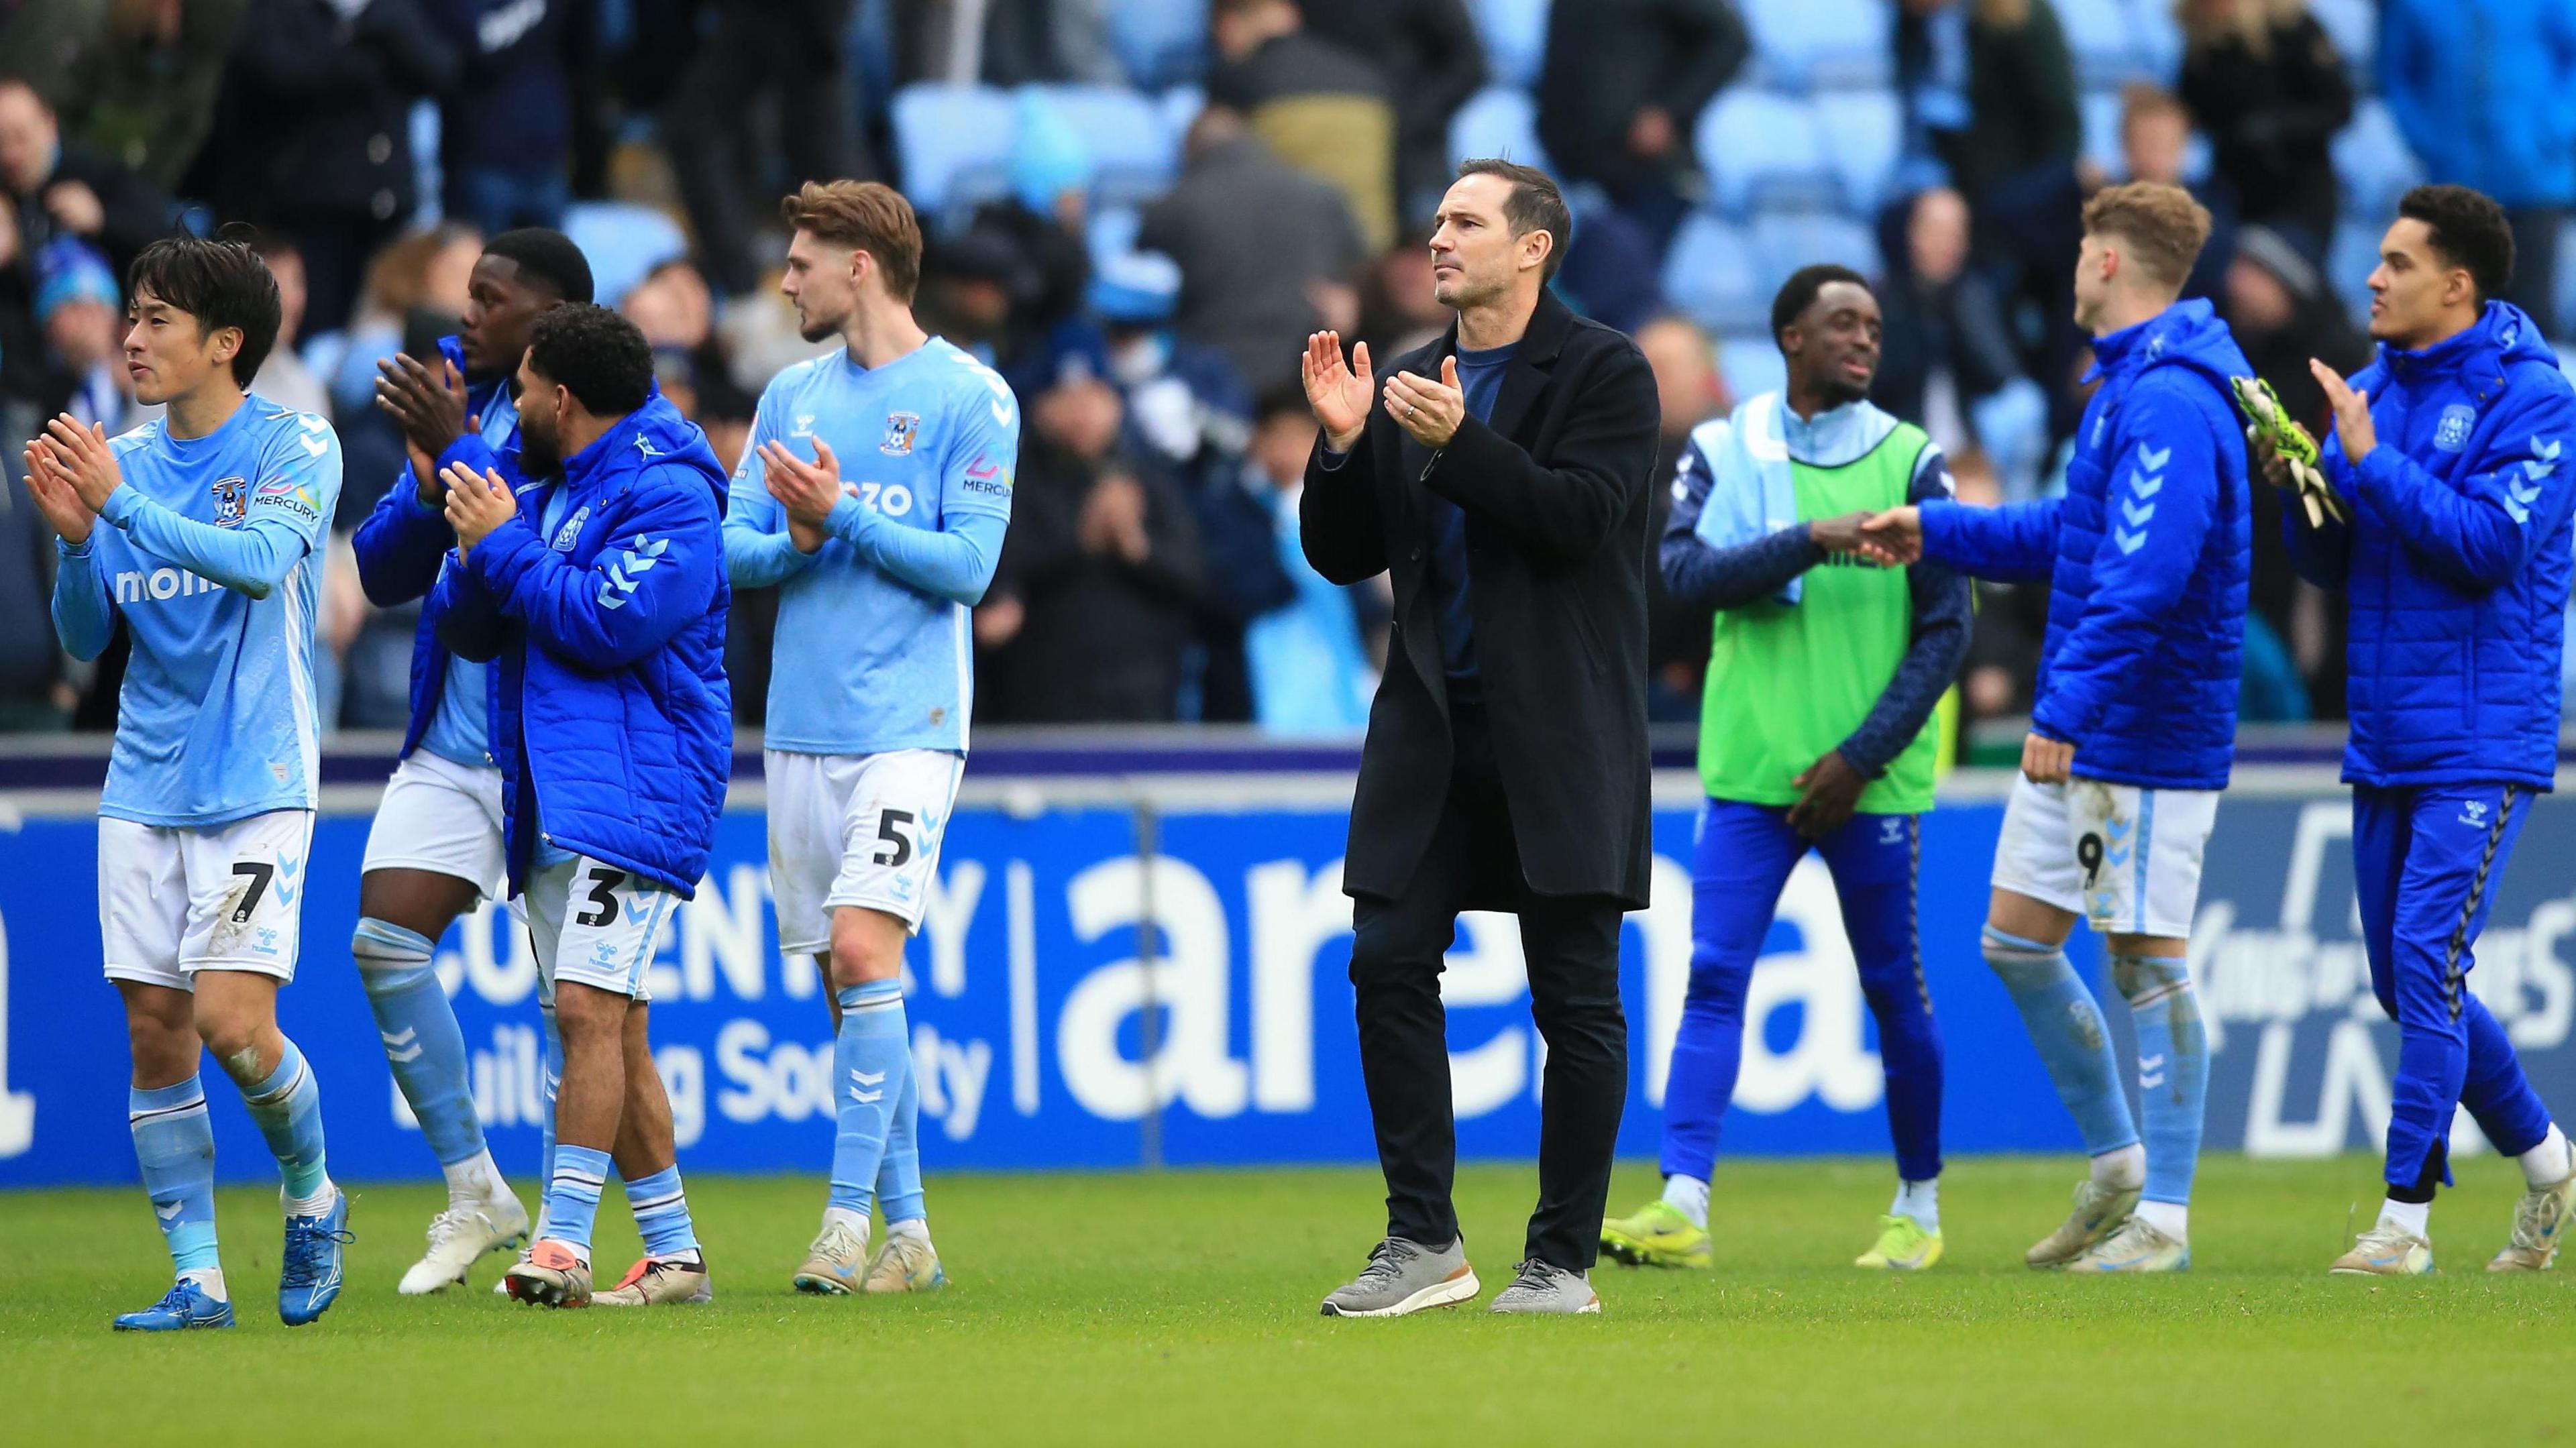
{"points": [[599, 356], [1800, 291], [221, 283], [547, 259], [1279, 400], [2469, 230], [1533, 205]]}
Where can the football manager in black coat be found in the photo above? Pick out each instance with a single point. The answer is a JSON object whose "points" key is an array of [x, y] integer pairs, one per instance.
{"points": [[1500, 475]]}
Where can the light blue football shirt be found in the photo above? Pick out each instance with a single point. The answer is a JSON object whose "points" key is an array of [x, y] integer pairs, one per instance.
{"points": [[216, 722], [461, 731], [875, 650]]}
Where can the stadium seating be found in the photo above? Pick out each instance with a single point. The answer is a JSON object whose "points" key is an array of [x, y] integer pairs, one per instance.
{"points": [[1751, 363], [1763, 150], [624, 242], [1499, 121], [2107, 43], [953, 143], [1514, 32], [1819, 44], [1161, 42], [1129, 139], [2354, 24], [1784, 241], [1709, 275], [2372, 161], [1861, 130]]}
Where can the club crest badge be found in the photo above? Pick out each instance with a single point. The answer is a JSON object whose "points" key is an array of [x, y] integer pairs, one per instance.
{"points": [[901, 428], [2452, 433], [570, 532], [231, 495]]}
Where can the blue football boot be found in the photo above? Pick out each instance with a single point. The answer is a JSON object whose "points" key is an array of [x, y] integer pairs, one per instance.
{"points": [[309, 1281]]}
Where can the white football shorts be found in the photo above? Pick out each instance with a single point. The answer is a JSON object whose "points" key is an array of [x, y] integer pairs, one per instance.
{"points": [[2126, 859], [596, 924], [860, 830], [443, 817], [176, 901]]}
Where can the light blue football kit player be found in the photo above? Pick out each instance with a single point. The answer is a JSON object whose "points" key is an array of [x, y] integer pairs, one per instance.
{"points": [[202, 539], [870, 694]]}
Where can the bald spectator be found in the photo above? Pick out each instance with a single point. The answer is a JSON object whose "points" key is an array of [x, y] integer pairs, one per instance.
{"points": [[1947, 342], [1319, 107]]}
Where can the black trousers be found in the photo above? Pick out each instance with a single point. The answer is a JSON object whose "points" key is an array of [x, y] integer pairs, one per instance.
{"points": [[1572, 948]]}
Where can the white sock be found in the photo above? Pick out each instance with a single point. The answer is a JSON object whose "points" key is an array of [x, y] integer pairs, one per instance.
{"points": [[2413, 1216], [211, 1279], [2124, 1169], [475, 1179], [1919, 1200], [2549, 1163], [312, 1206], [2171, 1218], [917, 1229], [1688, 1196], [855, 1221]]}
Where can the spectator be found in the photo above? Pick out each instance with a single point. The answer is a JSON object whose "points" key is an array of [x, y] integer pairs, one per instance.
{"points": [[1691, 391], [2283, 314], [675, 311], [2485, 93], [1434, 64], [283, 378], [969, 284], [1095, 602], [1947, 342], [1183, 399], [1319, 107], [135, 79], [36, 692], [1309, 662], [1619, 89], [62, 188], [2002, 666], [2155, 145], [1265, 251], [315, 132], [1058, 41], [420, 277], [505, 129], [793, 52], [1398, 311], [2266, 85], [31, 387], [83, 314]]}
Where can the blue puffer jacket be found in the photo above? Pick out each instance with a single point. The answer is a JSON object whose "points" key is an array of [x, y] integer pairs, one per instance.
{"points": [[2455, 567], [402, 544], [610, 640], [2146, 557]]}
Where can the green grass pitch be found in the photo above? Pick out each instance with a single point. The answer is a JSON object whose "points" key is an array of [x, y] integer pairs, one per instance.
{"points": [[1121, 1309]]}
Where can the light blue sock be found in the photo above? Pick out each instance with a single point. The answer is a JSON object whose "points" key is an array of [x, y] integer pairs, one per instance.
{"points": [[572, 1194], [288, 1108], [175, 1144], [899, 1179], [552, 1067], [662, 1213], [423, 1043], [2066, 1025], [869, 1060], [2173, 1069]]}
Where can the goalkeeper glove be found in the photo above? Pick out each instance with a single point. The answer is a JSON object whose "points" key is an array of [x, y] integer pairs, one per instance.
{"points": [[2270, 424]]}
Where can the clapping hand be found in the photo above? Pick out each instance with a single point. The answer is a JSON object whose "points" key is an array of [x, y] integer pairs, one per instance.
{"points": [[2353, 427], [476, 504], [1339, 393], [1430, 411]]}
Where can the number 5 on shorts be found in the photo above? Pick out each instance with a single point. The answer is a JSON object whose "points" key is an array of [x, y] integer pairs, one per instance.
{"points": [[886, 822]]}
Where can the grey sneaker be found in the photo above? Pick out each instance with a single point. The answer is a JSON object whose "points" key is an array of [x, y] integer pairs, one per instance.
{"points": [[1403, 1277], [1543, 1287]]}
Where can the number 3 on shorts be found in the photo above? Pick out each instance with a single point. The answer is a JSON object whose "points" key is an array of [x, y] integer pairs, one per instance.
{"points": [[603, 897]]}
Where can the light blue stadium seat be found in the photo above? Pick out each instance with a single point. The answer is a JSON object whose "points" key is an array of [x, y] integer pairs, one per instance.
{"points": [[1761, 149], [1161, 42], [2350, 259], [1129, 141], [2372, 161], [623, 242], [2100, 112], [1751, 363], [953, 143], [1786, 241], [1515, 36], [2354, 24], [1498, 121], [2158, 37], [1819, 44], [1862, 131], [2104, 42], [1111, 231], [1709, 275], [1178, 107]]}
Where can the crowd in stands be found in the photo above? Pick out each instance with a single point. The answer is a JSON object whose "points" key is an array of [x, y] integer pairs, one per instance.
{"points": [[1137, 210]]}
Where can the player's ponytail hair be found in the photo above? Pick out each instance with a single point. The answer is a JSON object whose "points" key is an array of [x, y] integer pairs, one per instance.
{"points": [[867, 216]]}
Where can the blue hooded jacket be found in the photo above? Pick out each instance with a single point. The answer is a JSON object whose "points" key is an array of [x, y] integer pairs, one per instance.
{"points": [[2455, 567], [609, 638], [2484, 92], [2146, 557], [402, 544]]}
